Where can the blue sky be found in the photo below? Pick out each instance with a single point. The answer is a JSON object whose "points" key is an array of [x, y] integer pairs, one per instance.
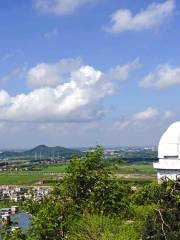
{"points": [[86, 72]]}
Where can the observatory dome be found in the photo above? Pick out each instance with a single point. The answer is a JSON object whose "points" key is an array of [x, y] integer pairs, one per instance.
{"points": [[169, 145], [169, 154]]}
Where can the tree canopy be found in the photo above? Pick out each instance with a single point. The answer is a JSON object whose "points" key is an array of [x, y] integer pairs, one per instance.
{"points": [[90, 203]]}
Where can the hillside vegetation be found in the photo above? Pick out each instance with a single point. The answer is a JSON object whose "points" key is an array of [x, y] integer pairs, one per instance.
{"points": [[91, 204], [42, 152]]}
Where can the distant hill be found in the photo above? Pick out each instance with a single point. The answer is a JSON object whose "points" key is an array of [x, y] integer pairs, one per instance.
{"points": [[41, 152]]}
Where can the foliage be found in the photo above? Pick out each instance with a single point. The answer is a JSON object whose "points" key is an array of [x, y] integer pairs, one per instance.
{"points": [[31, 206], [93, 227], [89, 184], [91, 204], [164, 222], [109, 197], [17, 234], [52, 220], [149, 194], [83, 174]]}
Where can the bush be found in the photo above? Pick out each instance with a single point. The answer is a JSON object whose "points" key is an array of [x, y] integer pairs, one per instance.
{"points": [[164, 222], [93, 227], [149, 194]]}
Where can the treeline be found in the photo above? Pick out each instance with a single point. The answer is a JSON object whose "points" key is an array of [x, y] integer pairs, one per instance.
{"points": [[91, 204]]}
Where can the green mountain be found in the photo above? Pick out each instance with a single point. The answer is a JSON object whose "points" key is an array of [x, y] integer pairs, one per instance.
{"points": [[41, 152]]}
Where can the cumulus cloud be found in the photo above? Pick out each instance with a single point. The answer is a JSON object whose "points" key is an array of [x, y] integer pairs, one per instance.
{"points": [[138, 118], [59, 7], [64, 91], [4, 98], [162, 77], [155, 14], [43, 74]]}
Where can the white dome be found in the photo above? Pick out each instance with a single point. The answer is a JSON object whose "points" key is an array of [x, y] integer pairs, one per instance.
{"points": [[169, 145]]}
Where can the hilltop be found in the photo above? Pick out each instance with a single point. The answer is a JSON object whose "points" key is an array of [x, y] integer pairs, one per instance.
{"points": [[41, 151]]}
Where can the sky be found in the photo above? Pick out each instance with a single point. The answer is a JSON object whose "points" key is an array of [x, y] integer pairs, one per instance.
{"points": [[86, 72]]}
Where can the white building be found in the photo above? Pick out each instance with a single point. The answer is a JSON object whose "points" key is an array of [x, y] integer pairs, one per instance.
{"points": [[169, 153]]}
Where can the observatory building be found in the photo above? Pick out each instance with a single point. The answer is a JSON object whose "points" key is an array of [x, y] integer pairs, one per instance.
{"points": [[169, 153]]}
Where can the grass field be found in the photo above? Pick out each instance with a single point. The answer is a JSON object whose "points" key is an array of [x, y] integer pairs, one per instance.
{"points": [[56, 168], [46, 172], [51, 172], [118, 168], [20, 179], [134, 168]]}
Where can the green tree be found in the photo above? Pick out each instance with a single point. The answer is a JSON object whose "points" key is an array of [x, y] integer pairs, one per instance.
{"points": [[52, 220], [82, 176], [110, 197], [149, 194], [87, 187], [90, 185]]}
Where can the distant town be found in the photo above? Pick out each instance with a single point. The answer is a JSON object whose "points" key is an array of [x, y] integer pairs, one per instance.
{"points": [[21, 193]]}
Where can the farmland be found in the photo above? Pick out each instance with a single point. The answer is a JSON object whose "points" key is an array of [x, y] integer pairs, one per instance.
{"points": [[50, 173], [134, 168], [21, 179]]}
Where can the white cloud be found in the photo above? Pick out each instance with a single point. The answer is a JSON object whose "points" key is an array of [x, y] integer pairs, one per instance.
{"points": [[59, 7], [155, 14], [149, 113], [137, 118], [43, 74], [144, 119], [162, 77], [121, 73], [64, 91], [122, 124], [4, 98], [59, 103], [53, 33], [169, 115], [49, 75]]}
